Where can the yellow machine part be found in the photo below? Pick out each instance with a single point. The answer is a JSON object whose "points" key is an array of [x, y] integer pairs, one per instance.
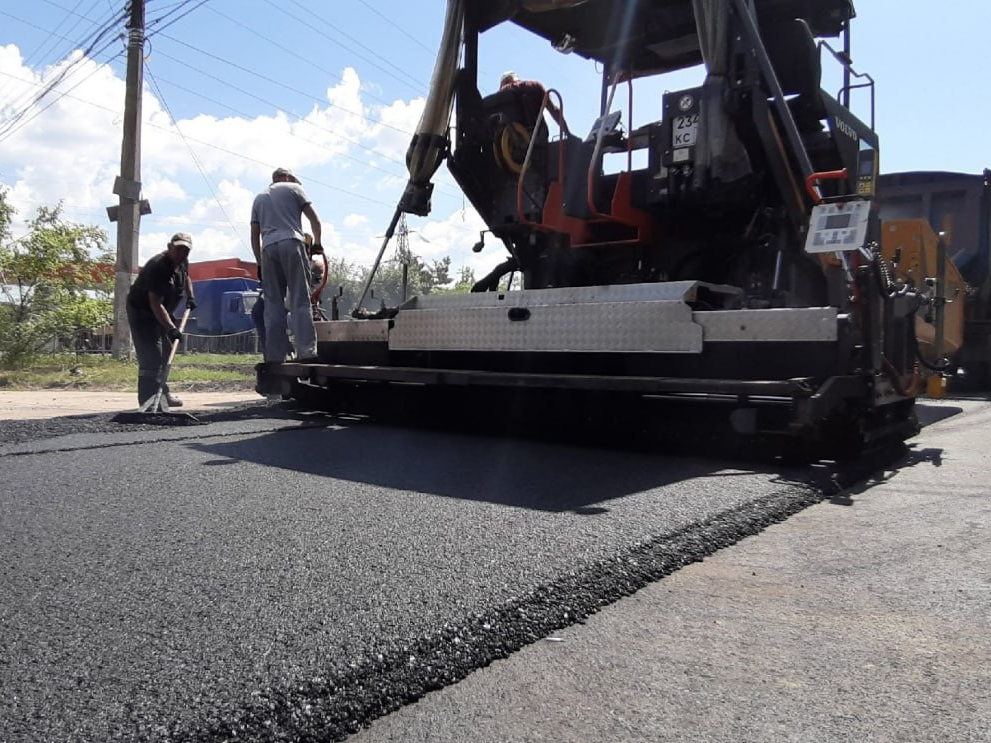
{"points": [[917, 244]]}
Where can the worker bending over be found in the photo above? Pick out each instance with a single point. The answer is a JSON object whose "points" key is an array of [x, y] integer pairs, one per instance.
{"points": [[152, 299], [530, 94]]}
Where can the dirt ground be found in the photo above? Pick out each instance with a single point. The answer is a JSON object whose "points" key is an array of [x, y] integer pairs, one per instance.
{"points": [[51, 403]]}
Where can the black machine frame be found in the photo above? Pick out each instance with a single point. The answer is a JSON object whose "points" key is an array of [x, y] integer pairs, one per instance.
{"points": [[686, 216]]}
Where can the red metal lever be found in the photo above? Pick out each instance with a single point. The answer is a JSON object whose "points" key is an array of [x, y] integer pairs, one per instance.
{"points": [[828, 175]]}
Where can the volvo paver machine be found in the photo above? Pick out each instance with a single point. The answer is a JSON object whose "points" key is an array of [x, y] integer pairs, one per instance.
{"points": [[727, 274]]}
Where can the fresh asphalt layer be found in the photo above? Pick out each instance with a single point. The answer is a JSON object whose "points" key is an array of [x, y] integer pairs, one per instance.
{"points": [[264, 575], [866, 617]]}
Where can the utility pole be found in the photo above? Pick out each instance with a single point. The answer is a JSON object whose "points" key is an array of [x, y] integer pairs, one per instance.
{"points": [[127, 186], [402, 248]]}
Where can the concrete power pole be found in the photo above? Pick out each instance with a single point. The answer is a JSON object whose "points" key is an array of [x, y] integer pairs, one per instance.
{"points": [[405, 257], [128, 185]]}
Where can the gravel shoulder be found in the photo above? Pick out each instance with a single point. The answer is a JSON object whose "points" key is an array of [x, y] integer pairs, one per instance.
{"points": [[864, 617]]}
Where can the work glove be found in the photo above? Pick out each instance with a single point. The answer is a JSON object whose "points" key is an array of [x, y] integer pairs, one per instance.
{"points": [[316, 249], [191, 303], [174, 334]]}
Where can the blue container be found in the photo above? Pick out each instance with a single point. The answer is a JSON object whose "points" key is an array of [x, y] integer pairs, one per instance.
{"points": [[222, 305]]}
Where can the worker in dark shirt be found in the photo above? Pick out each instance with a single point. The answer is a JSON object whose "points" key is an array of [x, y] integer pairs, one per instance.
{"points": [[153, 298], [531, 97]]}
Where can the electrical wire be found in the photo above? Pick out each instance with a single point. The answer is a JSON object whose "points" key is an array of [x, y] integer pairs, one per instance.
{"points": [[294, 52], [412, 82], [7, 127], [354, 142], [247, 117], [397, 26], [23, 104], [192, 154], [11, 127], [267, 79], [150, 27], [53, 33], [226, 151], [188, 6], [156, 27]]}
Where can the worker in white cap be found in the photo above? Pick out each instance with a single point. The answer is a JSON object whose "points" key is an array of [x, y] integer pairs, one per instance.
{"points": [[278, 244]]}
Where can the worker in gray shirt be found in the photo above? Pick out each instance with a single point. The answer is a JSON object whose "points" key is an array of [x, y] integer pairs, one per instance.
{"points": [[277, 242]]}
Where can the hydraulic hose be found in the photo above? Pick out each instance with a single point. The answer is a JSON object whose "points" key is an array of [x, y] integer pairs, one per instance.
{"points": [[315, 296]]}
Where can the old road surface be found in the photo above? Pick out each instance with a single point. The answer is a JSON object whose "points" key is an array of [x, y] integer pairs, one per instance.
{"points": [[264, 574]]}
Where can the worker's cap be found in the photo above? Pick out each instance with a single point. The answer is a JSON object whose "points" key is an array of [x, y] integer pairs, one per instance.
{"points": [[284, 173], [182, 239], [508, 78]]}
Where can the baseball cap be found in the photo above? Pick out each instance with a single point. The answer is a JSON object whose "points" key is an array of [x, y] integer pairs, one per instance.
{"points": [[183, 239], [284, 172]]}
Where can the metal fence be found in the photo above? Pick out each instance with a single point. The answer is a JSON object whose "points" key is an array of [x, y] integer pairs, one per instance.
{"points": [[243, 342]]}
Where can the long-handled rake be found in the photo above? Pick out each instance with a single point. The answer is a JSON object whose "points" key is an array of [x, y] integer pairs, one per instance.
{"points": [[158, 403]]}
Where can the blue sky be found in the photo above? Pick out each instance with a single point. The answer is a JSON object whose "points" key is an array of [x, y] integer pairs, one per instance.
{"points": [[334, 88]]}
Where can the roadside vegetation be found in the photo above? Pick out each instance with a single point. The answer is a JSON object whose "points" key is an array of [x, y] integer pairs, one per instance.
{"points": [[55, 281], [56, 306], [198, 371]]}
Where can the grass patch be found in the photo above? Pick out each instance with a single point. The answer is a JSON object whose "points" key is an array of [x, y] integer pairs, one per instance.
{"points": [[94, 372]]}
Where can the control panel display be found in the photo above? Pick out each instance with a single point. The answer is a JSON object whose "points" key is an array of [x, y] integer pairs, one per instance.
{"points": [[838, 227], [837, 221]]}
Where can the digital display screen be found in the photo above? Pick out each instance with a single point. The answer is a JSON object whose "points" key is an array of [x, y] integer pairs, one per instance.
{"points": [[837, 221]]}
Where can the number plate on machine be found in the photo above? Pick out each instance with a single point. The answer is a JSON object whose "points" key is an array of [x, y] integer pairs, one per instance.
{"points": [[686, 129]]}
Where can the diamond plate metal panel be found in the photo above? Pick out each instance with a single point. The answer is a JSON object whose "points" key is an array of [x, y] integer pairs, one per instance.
{"points": [[654, 327], [672, 290], [352, 330], [785, 324]]}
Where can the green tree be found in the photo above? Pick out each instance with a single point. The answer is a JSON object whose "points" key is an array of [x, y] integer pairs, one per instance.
{"points": [[463, 284], [466, 280], [440, 273], [421, 278], [54, 282], [344, 282]]}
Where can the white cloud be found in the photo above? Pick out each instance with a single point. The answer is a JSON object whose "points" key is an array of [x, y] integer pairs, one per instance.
{"points": [[202, 173], [65, 147], [158, 189], [353, 221]]}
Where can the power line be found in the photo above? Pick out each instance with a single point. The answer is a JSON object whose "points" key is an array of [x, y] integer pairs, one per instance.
{"points": [[192, 154], [298, 118], [11, 127], [156, 21], [269, 80], [415, 84], [295, 53], [397, 26], [246, 116], [176, 11], [53, 33], [226, 151], [69, 69], [74, 45], [213, 146], [186, 4], [107, 19]]}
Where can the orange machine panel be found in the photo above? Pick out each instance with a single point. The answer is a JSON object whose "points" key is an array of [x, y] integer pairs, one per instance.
{"points": [[915, 244]]}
